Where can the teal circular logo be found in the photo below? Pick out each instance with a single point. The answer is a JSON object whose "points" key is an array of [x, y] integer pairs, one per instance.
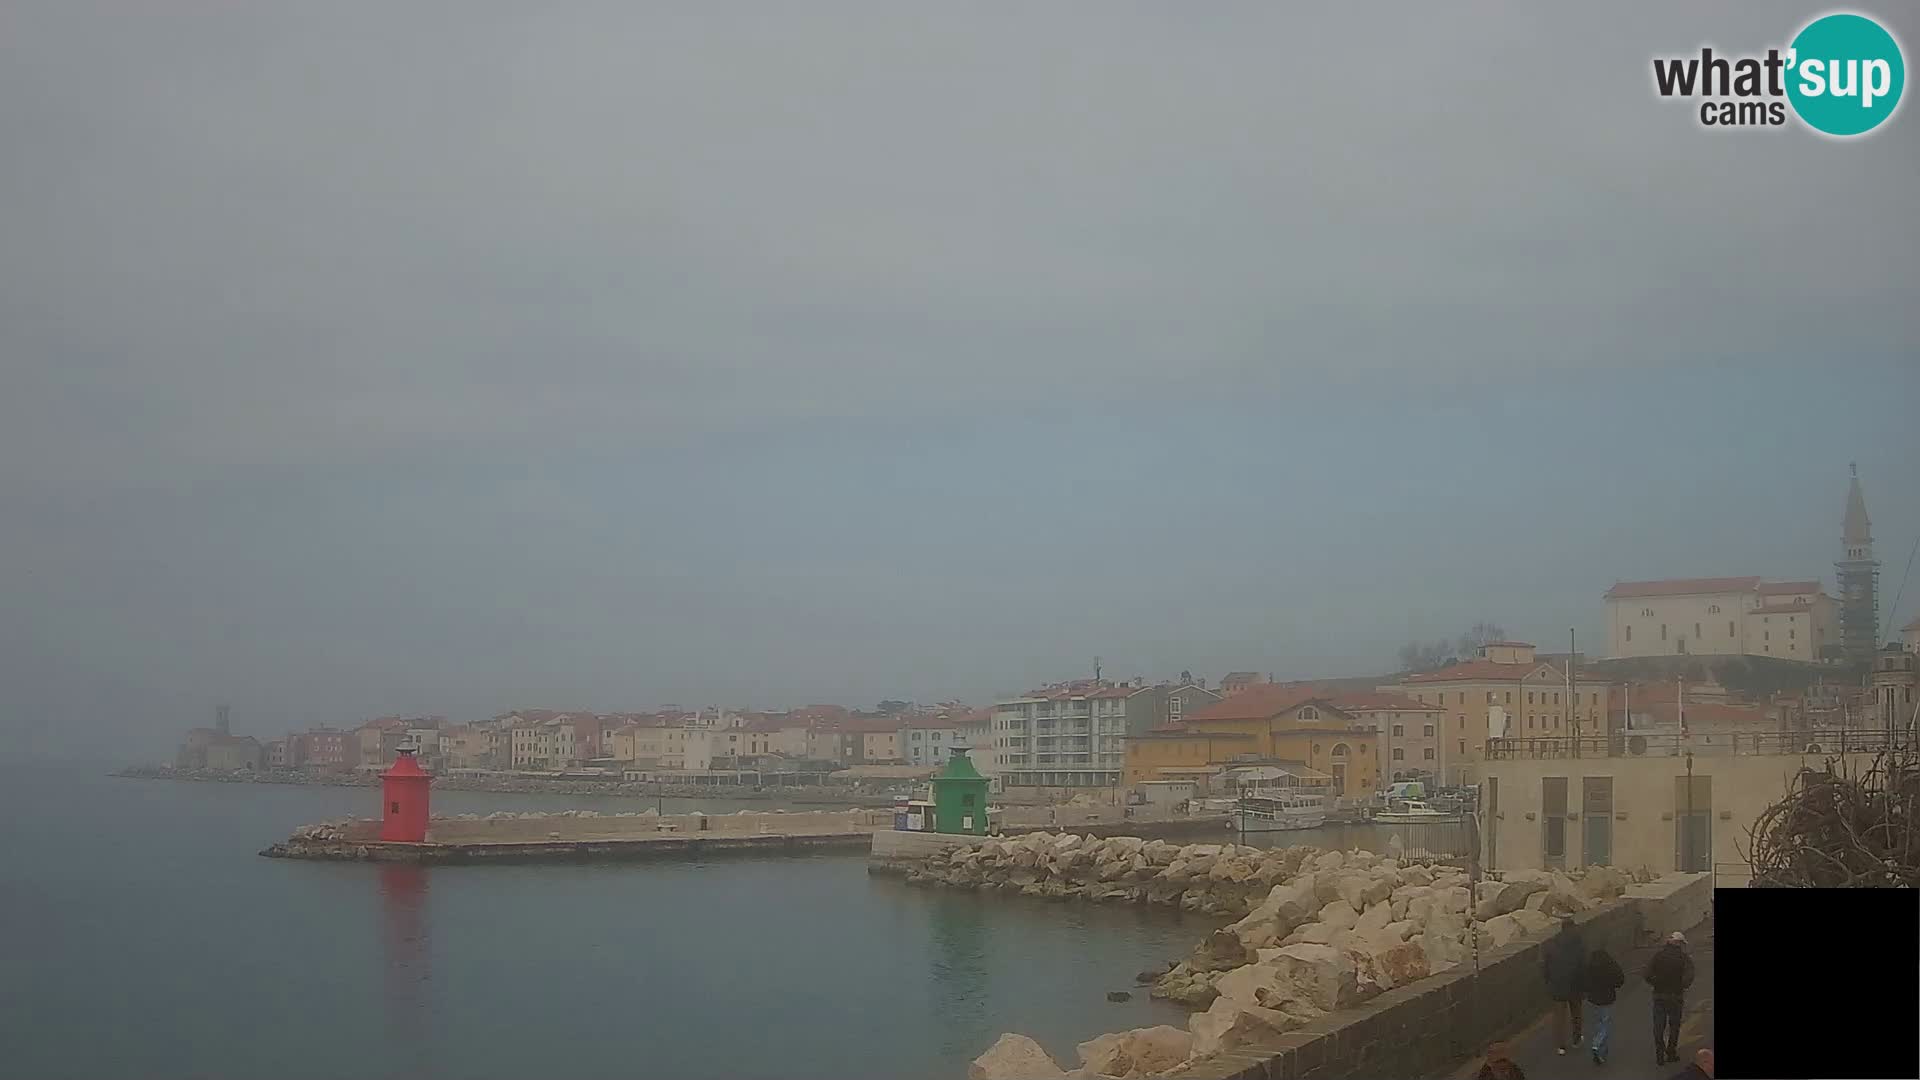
{"points": [[1845, 74]]}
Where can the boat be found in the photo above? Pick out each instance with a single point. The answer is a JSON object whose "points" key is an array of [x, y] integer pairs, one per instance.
{"points": [[1279, 811], [1412, 811]]}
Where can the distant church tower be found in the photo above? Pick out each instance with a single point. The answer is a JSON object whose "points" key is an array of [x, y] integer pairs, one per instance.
{"points": [[1858, 575]]}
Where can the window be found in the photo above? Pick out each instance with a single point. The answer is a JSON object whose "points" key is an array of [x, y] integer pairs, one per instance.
{"points": [[1663, 631], [1646, 612], [1308, 712], [1399, 730], [1428, 732], [1489, 697], [393, 809], [1529, 697], [1507, 697], [1766, 635], [1463, 746], [1629, 633], [1556, 699], [1789, 635], [1399, 754], [1713, 609], [1462, 699], [1428, 753], [1729, 627], [1174, 705], [1339, 750], [1696, 629]]}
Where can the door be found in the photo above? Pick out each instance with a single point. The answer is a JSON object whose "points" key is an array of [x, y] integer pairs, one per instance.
{"points": [[1553, 821], [1693, 824], [1596, 815]]}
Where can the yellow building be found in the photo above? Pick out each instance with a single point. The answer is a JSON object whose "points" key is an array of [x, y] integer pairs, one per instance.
{"points": [[1505, 692], [1263, 723]]}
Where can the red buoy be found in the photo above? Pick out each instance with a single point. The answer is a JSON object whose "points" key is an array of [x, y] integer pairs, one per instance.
{"points": [[403, 793]]}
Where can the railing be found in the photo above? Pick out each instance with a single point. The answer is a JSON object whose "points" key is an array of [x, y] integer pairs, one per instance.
{"points": [[1428, 839], [1673, 744], [1728, 875]]}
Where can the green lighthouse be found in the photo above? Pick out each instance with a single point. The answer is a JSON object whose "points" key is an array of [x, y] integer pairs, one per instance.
{"points": [[960, 796]]}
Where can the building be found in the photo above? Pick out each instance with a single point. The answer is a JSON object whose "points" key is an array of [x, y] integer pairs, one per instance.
{"points": [[1857, 576], [1736, 616], [929, 738], [1910, 636], [233, 753], [1070, 735], [1236, 681], [378, 741], [1264, 724], [1896, 705], [1407, 730], [1667, 802], [326, 749], [1505, 692], [1150, 707]]}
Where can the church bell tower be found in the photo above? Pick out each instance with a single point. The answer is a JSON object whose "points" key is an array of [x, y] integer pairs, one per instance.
{"points": [[1858, 578]]}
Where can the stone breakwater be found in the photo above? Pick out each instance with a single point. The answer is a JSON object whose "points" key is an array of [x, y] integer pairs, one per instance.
{"points": [[1318, 932]]}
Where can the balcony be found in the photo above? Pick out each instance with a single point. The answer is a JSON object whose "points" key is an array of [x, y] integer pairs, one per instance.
{"points": [[1670, 743]]}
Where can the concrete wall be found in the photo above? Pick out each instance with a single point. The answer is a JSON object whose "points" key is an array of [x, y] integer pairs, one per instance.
{"points": [[1647, 799]]}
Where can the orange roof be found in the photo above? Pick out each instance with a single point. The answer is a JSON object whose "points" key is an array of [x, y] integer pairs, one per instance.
{"points": [[1256, 702], [1683, 586], [1778, 588], [1377, 702], [1478, 671]]}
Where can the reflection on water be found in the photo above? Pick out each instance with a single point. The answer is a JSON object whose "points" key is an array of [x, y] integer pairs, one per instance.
{"points": [[408, 1012], [961, 974]]}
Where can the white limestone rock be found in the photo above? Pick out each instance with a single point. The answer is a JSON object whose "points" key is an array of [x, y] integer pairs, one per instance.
{"points": [[1014, 1057]]}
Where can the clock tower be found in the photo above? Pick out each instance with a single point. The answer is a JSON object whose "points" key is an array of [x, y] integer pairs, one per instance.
{"points": [[1858, 576]]}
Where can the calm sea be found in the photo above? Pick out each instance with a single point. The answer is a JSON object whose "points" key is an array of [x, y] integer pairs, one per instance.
{"points": [[146, 938]]}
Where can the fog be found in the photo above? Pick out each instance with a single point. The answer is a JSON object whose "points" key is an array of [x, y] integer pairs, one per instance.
{"points": [[444, 358]]}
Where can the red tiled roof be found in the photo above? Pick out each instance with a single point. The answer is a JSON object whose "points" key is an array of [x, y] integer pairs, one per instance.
{"points": [[1479, 671], [1683, 586], [1256, 702], [1378, 702], [1788, 588]]}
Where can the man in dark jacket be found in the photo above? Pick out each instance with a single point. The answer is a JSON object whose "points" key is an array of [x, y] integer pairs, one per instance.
{"points": [[1669, 973], [1566, 961]]}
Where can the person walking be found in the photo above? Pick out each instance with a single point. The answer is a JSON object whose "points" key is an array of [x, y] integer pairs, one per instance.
{"points": [[1669, 973], [1604, 979], [1500, 1065], [1566, 960]]}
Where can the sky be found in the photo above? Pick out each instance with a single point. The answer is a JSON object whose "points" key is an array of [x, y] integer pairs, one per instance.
{"points": [[445, 358]]}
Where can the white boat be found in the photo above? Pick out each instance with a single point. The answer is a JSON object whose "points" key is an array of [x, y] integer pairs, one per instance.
{"points": [[1405, 811], [1279, 812]]}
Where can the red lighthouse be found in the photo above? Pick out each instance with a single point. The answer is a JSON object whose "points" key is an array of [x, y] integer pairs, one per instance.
{"points": [[403, 791]]}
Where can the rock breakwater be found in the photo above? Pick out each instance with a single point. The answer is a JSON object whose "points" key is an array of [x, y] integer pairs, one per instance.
{"points": [[1317, 931]]}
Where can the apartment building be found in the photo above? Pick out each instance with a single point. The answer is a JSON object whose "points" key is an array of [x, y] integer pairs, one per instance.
{"points": [[1068, 735], [1503, 693]]}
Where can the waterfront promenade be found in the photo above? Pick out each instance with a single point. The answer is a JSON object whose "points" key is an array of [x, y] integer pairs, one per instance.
{"points": [[1631, 1049]]}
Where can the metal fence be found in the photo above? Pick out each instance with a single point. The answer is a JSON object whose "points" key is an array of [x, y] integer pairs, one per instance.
{"points": [[1674, 744], [1427, 839]]}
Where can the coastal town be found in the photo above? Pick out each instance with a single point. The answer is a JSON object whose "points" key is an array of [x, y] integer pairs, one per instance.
{"points": [[1660, 751]]}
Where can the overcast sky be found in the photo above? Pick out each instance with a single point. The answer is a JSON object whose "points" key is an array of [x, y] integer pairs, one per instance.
{"points": [[366, 358]]}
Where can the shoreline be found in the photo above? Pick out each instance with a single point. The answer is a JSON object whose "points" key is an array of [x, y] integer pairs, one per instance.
{"points": [[520, 785]]}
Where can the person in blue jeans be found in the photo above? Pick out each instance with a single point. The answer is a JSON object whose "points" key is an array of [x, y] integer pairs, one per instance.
{"points": [[1603, 979]]}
